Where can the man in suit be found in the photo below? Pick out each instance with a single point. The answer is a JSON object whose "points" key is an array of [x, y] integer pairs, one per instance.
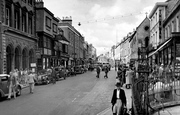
{"points": [[118, 100]]}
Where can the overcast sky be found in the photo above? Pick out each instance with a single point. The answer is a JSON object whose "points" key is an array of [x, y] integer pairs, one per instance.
{"points": [[103, 22]]}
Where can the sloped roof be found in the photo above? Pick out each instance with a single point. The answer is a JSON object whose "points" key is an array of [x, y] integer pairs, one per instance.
{"points": [[61, 39]]}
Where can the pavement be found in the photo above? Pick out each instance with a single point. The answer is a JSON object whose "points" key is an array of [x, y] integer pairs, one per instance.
{"points": [[128, 93]]}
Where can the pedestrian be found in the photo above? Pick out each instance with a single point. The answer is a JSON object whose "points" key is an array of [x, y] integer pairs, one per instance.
{"points": [[12, 84], [98, 70], [118, 100], [106, 71], [53, 75], [31, 78], [129, 76]]}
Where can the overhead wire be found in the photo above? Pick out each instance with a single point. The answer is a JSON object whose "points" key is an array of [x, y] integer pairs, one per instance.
{"points": [[109, 18]]}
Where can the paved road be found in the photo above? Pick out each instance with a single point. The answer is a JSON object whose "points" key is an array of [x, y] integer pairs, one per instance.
{"points": [[79, 95]]}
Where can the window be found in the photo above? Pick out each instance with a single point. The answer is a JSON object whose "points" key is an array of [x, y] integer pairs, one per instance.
{"points": [[8, 16], [54, 28], [30, 25], [146, 28], [45, 42], [16, 19], [24, 22], [172, 26], [177, 24], [48, 22]]}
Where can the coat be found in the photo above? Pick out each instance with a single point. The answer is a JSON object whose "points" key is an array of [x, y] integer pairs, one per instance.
{"points": [[122, 97]]}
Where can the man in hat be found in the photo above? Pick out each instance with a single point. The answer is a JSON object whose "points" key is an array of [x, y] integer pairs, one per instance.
{"points": [[118, 100]]}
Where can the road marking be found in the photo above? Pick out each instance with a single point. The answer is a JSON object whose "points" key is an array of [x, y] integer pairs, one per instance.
{"points": [[73, 99], [104, 111]]}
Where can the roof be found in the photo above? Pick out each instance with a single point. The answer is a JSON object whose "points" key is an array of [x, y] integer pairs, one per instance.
{"points": [[61, 39], [158, 4]]}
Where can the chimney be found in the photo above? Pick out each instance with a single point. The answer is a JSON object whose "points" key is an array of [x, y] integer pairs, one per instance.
{"points": [[39, 4], [67, 20]]}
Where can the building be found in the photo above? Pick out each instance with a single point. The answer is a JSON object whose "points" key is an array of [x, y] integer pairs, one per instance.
{"points": [[75, 47], [167, 51], [48, 37], [139, 38], [18, 38], [156, 17], [91, 54], [125, 50]]}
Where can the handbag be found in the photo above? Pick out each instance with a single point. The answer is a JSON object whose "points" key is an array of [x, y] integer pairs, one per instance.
{"points": [[125, 111]]}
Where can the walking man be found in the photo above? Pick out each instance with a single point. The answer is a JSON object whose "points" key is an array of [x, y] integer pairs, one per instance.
{"points": [[106, 71], [12, 84], [31, 78], [98, 70]]}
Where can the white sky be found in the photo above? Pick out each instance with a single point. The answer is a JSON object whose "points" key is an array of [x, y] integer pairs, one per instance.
{"points": [[103, 22]]}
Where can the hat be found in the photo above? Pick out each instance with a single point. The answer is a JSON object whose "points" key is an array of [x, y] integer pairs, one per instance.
{"points": [[118, 84]]}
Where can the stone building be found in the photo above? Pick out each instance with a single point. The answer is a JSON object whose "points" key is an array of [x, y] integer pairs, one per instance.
{"points": [[18, 38], [140, 38], [51, 41], [76, 41]]}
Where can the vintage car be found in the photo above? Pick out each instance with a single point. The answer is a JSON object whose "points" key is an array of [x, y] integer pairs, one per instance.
{"points": [[4, 86], [78, 69], [43, 77]]}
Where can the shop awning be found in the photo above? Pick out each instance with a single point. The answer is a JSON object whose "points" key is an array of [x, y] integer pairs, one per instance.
{"points": [[158, 49]]}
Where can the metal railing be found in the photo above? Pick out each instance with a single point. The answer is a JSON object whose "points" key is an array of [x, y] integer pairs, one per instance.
{"points": [[153, 93]]}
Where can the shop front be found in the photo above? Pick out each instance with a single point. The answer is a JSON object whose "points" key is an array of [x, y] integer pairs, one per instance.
{"points": [[164, 78]]}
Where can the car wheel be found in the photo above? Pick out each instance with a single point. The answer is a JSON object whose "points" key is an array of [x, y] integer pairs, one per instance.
{"points": [[18, 91]]}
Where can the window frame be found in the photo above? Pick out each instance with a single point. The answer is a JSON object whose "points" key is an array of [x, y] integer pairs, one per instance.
{"points": [[54, 27], [48, 22]]}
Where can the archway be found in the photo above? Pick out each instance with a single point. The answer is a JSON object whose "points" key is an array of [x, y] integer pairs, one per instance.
{"points": [[17, 58], [31, 57], [9, 58], [24, 59]]}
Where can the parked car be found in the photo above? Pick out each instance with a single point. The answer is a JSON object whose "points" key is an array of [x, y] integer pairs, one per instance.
{"points": [[60, 72], [43, 77], [78, 69], [4, 86]]}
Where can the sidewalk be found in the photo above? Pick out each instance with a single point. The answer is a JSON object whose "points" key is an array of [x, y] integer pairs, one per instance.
{"points": [[128, 93]]}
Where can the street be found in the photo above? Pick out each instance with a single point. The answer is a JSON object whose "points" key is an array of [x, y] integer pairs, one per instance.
{"points": [[83, 94]]}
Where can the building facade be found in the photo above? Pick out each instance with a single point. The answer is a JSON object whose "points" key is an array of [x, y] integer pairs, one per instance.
{"points": [[17, 35], [140, 38], [76, 41], [47, 31]]}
